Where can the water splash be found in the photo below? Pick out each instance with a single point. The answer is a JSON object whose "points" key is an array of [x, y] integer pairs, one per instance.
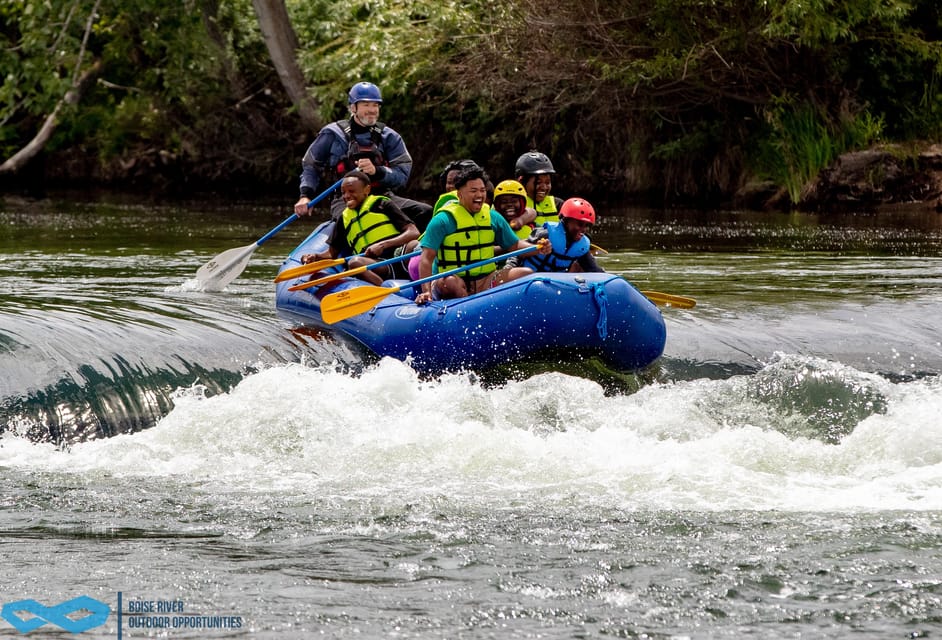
{"points": [[390, 439]]}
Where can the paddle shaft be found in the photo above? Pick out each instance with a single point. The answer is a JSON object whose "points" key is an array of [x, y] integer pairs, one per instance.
{"points": [[226, 267], [352, 272], [345, 304], [457, 270], [294, 216]]}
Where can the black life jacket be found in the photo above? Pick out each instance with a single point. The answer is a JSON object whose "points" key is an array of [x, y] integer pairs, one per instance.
{"points": [[356, 151]]}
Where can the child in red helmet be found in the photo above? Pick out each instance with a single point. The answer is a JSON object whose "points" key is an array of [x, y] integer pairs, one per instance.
{"points": [[571, 246]]}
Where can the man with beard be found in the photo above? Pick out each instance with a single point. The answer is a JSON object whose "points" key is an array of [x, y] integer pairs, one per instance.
{"points": [[364, 143]]}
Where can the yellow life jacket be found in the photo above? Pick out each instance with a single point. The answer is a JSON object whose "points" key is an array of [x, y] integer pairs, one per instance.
{"points": [[445, 198], [471, 242], [524, 231], [366, 227], [545, 210]]}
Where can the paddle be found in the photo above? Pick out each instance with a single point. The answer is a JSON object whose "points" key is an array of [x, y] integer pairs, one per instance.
{"points": [[670, 300], [311, 267], [351, 272], [226, 267], [597, 250], [345, 304]]}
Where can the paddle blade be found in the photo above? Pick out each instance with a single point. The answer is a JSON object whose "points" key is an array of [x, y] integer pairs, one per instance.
{"points": [[346, 304], [304, 269], [224, 268], [670, 300], [597, 250]]}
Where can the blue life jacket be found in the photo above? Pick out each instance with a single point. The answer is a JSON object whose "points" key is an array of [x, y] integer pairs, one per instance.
{"points": [[562, 257]]}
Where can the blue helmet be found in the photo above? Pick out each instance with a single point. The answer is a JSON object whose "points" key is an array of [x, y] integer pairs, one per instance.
{"points": [[364, 91]]}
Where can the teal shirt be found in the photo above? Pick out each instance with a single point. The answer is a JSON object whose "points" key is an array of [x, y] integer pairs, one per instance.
{"points": [[442, 224]]}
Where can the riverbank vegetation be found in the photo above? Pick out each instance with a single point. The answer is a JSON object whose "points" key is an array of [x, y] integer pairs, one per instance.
{"points": [[684, 101]]}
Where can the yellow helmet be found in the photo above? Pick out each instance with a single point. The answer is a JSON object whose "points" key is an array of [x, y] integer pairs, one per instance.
{"points": [[510, 188]]}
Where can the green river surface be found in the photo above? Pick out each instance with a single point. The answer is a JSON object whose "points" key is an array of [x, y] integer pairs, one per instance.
{"points": [[199, 466]]}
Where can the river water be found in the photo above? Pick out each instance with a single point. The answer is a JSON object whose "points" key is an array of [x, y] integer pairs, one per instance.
{"points": [[203, 468]]}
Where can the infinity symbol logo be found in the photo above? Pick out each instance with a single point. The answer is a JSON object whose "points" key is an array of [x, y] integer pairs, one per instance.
{"points": [[58, 615]]}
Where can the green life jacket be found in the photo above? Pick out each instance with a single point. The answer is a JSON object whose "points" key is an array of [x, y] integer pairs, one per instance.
{"points": [[472, 241], [545, 210], [366, 227], [524, 231], [445, 198]]}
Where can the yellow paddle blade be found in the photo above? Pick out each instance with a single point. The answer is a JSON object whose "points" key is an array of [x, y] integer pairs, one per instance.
{"points": [[670, 300], [304, 269], [345, 304], [330, 278], [597, 250]]}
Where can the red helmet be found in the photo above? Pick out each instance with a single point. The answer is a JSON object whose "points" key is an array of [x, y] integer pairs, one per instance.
{"points": [[578, 209]]}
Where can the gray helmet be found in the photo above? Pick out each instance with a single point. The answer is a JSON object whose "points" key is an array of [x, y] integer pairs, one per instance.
{"points": [[533, 163]]}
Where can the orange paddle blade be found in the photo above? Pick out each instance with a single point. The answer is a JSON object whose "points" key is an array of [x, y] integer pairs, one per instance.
{"points": [[304, 269], [329, 278], [670, 300], [345, 304]]}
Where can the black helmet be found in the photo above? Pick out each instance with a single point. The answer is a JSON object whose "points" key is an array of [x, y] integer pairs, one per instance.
{"points": [[456, 165], [533, 163]]}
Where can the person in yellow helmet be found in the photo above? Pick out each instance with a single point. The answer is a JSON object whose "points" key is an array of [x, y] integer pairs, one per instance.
{"points": [[510, 201]]}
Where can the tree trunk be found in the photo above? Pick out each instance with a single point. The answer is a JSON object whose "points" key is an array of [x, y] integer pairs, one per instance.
{"points": [[32, 148], [282, 43], [237, 83]]}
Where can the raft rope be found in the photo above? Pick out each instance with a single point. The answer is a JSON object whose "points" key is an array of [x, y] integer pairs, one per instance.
{"points": [[599, 296], [597, 289], [601, 301]]}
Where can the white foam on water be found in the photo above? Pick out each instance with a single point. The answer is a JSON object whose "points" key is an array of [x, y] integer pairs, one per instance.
{"points": [[388, 436]]}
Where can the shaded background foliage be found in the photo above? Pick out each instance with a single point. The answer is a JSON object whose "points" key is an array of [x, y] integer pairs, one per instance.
{"points": [[680, 101]]}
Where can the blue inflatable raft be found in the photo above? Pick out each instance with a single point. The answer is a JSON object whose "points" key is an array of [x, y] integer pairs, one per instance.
{"points": [[542, 316]]}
